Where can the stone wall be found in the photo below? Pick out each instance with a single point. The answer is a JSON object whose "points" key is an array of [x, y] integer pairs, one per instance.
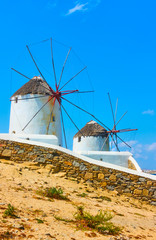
{"points": [[132, 185]]}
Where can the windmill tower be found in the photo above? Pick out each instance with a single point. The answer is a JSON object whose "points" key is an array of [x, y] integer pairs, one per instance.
{"points": [[92, 137], [25, 117]]}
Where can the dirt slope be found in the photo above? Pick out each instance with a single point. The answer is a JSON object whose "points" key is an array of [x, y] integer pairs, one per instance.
{"points": [[36, 214]]}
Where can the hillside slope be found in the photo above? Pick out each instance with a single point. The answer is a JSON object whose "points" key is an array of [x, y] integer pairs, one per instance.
{"points": [[39, 217]]}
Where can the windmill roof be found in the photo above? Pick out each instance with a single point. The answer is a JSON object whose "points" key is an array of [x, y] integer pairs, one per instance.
{"points": [[36, 85], [92, 128]]}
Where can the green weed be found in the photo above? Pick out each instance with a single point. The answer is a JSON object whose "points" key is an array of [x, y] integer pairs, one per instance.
{"points": [[53, 193], [82, 195], [10, 212], [100, 222], [39, 220]]}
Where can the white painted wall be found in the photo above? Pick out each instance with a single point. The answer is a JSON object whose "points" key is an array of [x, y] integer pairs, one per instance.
{"points": [[117, 158], [91, 143], [24, 110], [50, 139]]}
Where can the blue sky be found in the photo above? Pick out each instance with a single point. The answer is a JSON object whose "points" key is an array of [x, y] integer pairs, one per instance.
{"points": [[117, 42]]}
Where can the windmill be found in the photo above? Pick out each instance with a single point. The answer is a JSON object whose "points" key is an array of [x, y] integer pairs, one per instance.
{"points": [[56, 97], [114, 131]]}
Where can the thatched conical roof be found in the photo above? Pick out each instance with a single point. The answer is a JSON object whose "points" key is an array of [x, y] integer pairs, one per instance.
{"points": [[35, 86], [92, 128]]}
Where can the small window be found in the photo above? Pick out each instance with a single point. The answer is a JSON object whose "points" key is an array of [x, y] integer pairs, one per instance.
{"points": [[53, 118], [16, 100], [79, 139]]}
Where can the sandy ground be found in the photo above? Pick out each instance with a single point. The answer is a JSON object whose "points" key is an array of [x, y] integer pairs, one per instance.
{"points": [[18, 186]]}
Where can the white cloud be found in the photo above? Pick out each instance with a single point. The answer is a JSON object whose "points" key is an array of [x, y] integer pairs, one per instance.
{"points": [[151, 147], [78, 7], [148, 112], [82, 6]]}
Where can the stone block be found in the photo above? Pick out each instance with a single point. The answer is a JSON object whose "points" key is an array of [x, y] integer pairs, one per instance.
{"points": [[137, 192], [76, 164], [68, 163], [21, 151], [141, 179], [82, 167], [145, 192], [101, 176], [134, 177], [127, 190], [149, 183], [95, 168], [6, 153], [57, 168], [103, 184], [88, 176], [112, 178], [110, 188]]}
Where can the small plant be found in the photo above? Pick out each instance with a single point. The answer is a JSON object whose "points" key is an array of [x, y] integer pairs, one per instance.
{"points": [[63, 219], [99, 222], [82, 195], [106, 198], [10, 212], [39, 220], [53, 193]]}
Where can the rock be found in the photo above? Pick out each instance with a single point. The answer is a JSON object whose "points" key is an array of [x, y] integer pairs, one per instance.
{"points": [[83, 167], [6, 153], [110, 188], [103, 184], [40, 160], [76, 164], [57, 168], [112, 178], [68, 163], [137, 192], [88, 176], [142, 179], [149, 182], [127, 190], [101, 176], [145, 192], [50, 156], [21, 151], [95, 168]]}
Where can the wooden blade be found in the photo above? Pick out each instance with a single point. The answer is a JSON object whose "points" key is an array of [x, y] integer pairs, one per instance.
{"points": [[20, 73], [35, 62], [64, 66], [73, 77], [50, 117], [111, 108], [64, 130], [86, 112], [71, 119], [53, 64], [29, 98], [29, 78], [124, 142], [36, 114]]}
